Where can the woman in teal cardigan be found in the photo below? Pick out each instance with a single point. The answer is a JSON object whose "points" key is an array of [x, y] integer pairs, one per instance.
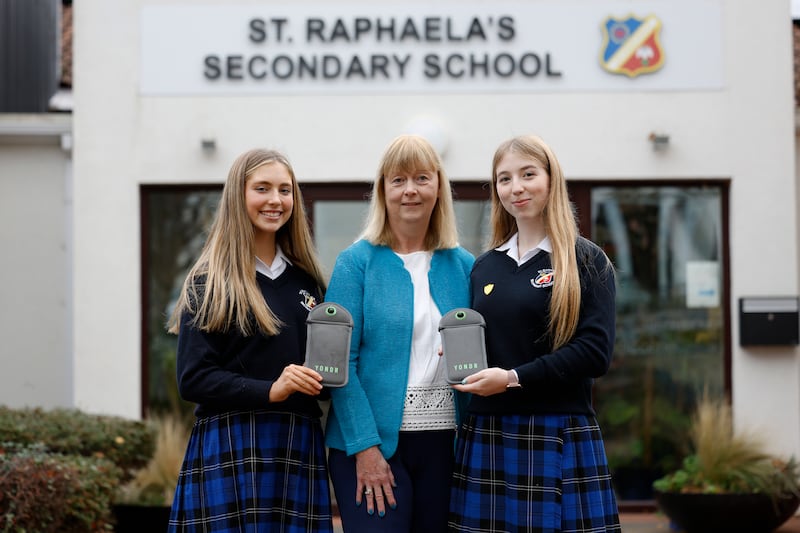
{"points": [[391, 428]]}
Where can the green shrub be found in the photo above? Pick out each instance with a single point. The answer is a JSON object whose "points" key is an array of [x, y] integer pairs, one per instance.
{"points": [[127, 443], [46, 492], [60, 469]]}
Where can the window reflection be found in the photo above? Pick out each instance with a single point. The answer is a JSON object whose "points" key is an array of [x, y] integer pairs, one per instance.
{"points": [[472, 217], [177, 221], [337, 223], [670, 333], [175, 225]]}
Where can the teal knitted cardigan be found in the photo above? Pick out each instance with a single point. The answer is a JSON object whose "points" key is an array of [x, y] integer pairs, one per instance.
{"points": [[373, 285]]}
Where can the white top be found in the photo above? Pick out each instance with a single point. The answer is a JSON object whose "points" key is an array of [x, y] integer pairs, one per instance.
{"points": [[429, 402], [276, 268], [511, 247]]}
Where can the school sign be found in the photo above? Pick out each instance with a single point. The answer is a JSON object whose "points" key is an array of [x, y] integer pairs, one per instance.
{"points": [[450, 47]]}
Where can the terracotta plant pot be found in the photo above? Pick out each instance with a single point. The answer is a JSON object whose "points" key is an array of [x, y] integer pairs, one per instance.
{"points": [[732, 513]]}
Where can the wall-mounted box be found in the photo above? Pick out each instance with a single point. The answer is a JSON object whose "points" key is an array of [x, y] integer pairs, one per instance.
{"points": [[769, 321]]}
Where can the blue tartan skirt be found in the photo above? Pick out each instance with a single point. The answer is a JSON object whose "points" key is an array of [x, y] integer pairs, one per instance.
{"points": [[253, 471], [542, 473]]}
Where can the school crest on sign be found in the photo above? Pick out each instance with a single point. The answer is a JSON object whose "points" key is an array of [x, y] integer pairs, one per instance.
{"points": [[632, 46]]}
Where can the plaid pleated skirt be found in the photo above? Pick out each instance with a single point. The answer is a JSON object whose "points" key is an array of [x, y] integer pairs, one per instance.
{"points": [[253, 471], [542, 473]]}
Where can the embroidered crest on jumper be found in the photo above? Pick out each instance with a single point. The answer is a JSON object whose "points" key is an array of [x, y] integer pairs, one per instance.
{"points": [[543, 279], [632, 46], [309, 302], [488, 288]]}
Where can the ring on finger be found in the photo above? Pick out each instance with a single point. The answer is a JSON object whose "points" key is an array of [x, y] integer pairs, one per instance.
{"points": [[367, 491]]}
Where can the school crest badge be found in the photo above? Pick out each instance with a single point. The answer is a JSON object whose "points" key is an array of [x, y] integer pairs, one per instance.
{"points": [[543, 279], [632, 46], [308, 301]]}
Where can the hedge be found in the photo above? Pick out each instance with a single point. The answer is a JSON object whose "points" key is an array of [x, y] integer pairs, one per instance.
{"points": [[127, 443], [61, 469]]}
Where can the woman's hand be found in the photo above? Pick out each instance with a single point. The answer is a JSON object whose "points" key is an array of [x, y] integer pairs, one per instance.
{"points": [[374, 480], [485, 382], [295, 378]]}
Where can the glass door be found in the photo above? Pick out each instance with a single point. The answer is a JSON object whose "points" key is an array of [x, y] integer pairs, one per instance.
{"points": [[668, 244]]}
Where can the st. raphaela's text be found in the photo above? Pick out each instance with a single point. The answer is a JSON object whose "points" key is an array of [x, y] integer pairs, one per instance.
{"points": [[322, 62]]}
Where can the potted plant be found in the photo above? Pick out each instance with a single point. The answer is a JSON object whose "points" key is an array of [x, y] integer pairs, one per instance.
{"points": [[143, 503], [729, 483]]}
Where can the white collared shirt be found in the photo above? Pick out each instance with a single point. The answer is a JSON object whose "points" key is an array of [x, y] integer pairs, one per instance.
{"points": [[277, 267], [511, 247]]}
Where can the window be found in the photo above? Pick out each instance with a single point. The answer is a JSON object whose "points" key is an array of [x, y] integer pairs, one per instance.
{"points": [[668, 244], [175, 223], [337, 211]]}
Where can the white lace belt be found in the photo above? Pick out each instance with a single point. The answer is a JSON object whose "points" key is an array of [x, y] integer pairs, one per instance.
{"points": [[429, 408]]}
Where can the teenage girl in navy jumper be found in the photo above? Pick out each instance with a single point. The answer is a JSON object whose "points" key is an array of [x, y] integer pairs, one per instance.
{"points": [[255, 459], [530, 456]]}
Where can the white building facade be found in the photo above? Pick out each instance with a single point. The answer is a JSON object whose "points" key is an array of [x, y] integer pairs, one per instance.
{"points": [[663, 100]]}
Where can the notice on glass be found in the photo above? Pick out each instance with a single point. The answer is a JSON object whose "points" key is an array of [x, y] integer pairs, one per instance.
{"points": [[702, 284]]}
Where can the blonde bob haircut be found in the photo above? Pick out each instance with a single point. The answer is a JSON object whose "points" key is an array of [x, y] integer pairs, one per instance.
{"points": [[220, 290], [561, 227], [410, 154]]}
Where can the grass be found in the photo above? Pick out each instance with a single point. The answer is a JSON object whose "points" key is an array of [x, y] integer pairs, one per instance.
{"points": [[154, 484]]}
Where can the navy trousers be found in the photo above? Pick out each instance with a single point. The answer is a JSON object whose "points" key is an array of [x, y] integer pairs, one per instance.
{"points": [[422, 468]]}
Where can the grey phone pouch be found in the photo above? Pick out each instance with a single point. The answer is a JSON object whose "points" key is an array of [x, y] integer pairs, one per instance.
{"points": [[328, 342], [463, 343]]}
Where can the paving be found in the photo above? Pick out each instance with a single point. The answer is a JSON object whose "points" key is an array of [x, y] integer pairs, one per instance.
{"points": [[658, 523], [652, 523]]}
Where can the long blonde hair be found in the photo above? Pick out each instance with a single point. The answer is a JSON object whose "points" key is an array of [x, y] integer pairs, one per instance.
{"points": [[561, 227], [410, 153], [221, 290]]}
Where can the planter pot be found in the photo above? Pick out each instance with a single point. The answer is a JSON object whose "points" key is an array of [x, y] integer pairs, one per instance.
{"points": [[635, 482], [732, 513], [138, 518]]}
